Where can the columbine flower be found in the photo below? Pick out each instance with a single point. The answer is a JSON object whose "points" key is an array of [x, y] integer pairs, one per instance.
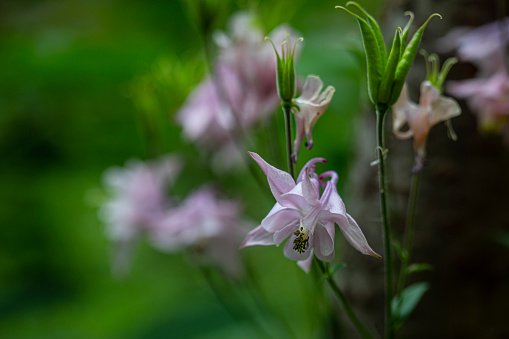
{"points": [[311, 105], [432, 109], [305, 217], [482, 46], [488, 98], [206, 224], [241, 93], [138, 201]]}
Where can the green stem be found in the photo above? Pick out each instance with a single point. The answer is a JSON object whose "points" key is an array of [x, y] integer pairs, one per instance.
{"points": [[349, 311], [382, 177], [409, 229], [287, 108]]}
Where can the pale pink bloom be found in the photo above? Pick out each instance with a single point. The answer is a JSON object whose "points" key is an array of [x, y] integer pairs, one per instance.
{"points": [[242, 92], [138, 196], [304, 217], [488, 98], [311, 105], [482, 45], [432, 109], [207, 225]]}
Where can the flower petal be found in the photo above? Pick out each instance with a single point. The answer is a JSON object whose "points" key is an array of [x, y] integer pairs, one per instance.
{"points": [[299, 134], [290, 253], [324, 242], [306, 263], [312, 86], [354, 236], [280, 217], [280, 182], [309, 164], [444, 109], [258, 236], [284, 233], [309, 190], [429, 94], [400, 111]]}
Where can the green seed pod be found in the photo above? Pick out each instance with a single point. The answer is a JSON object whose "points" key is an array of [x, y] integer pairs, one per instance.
{"points": [[384, 91]]}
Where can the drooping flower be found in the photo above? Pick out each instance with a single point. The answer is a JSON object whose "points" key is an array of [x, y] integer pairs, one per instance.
{"points": [[206, 224], [311, 105], [432, 109], [304, 217]]}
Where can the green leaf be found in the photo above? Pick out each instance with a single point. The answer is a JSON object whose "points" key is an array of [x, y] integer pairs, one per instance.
{"points": [[414, 268], [406, 61], [403, 305], [376, 30], [373, 61], [384, 91]]}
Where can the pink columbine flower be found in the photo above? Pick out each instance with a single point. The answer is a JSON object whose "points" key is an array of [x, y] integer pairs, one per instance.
{"points": [[483, 46], [242, 92], [206, 224], [432, 109], [305, 217], [311, 105], [488, 98], [138, 196]]}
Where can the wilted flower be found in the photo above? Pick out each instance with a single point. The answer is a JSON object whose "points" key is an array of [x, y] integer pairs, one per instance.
{"points": [[206, 224], [311, 105], [305, 217], [432, 109]]}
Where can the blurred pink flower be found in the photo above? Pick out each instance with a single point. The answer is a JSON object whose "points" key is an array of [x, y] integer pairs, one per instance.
{"points": [[488, 98], [482, 45], [242, 92], [206, 224], [304, 217], [138, 195], [432, 109], [311, 105]]}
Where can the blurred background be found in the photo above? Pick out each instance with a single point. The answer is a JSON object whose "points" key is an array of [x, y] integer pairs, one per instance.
{"points": [[89, 85]]}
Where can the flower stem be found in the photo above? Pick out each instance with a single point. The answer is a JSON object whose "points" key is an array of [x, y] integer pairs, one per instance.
{"points": [[349, 311], [382, 177], [287, 108], [409, 229]]}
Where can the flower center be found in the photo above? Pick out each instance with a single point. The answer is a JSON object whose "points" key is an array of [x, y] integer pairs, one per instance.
{"points": [[301, 243]]}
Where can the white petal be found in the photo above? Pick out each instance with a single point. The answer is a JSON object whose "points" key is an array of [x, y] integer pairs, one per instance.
{"points": [[258, 236], [312, 86], [324, 242], [280, 217]]}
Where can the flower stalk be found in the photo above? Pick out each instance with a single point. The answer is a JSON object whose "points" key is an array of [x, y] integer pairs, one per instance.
{"points": [[381, 111], [409, 230], [346, 306], [287, 108]]}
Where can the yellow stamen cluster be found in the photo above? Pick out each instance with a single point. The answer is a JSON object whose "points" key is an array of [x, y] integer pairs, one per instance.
{"points": [[301, 243]]}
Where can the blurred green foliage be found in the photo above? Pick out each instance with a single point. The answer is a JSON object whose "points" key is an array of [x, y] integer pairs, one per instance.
{"points": [[85, 86]]}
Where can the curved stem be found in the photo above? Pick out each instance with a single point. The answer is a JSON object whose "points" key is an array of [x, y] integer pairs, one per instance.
{"points": [[287, 108], [382, 178], [409, 230], [346, 306]]}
